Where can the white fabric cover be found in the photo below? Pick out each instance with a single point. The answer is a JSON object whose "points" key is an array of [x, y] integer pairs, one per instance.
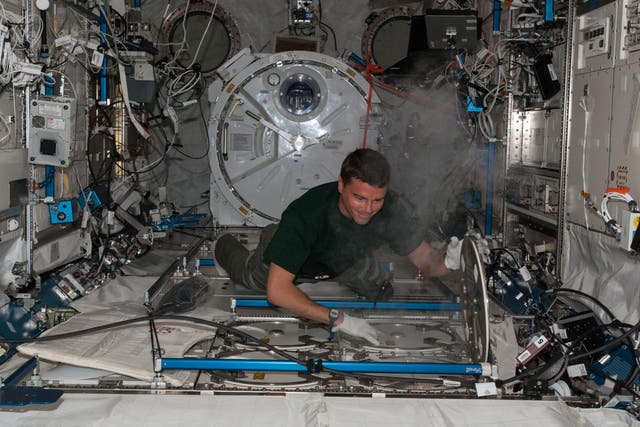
{"points": [[125, 351], [309, 409], [594, 263]]}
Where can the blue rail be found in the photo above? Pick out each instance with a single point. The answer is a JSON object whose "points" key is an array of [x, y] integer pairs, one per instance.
{"points": [[363, 305], [315, 366], [104, 30]]}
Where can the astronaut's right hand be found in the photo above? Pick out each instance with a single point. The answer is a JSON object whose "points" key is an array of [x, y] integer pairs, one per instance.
{"points": [[482, 245], [357, 327]]}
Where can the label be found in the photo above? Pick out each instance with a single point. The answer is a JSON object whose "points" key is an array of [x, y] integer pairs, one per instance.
{"points": [[622, 176], [577, 370], [50, 109], [60, 41], [97, 58], [524, 356], [92, 45], [552, 72], [560, 332], [524, 272], [85, 218], [486, 389], [55, 124], [110, 217], [540, 342]]}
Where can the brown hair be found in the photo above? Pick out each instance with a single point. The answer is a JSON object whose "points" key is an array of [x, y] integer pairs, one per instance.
{"points": [[367, 165]]}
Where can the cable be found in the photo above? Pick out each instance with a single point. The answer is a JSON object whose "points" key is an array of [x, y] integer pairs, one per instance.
{"points": [[333, 34], [590, 297], [506, 251], [134, 320], [213, 12]]}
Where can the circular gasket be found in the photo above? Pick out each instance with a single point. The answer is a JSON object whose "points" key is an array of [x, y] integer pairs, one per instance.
{"points": [[376, 28], [172, 28]]}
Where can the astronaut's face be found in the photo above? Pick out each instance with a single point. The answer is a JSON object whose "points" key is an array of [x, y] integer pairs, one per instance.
{"points": [[360, 201]]}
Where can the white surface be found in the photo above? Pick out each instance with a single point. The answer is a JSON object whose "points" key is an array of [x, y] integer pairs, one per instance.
{"points": [[308, 409]]}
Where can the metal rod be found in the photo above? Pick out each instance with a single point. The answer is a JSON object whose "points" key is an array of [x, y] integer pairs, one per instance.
{"points": [[29, 217], [384, 305], [488, 220], [346, 366]]}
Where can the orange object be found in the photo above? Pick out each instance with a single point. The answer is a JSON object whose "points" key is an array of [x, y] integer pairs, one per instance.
{"points": [[621, 190]]}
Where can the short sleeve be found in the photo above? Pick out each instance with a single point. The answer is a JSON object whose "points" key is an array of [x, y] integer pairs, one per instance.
{"points": [[402, 230], [292, 242]]}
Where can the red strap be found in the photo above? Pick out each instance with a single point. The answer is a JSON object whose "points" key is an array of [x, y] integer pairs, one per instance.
{"points": [[369, 70]]}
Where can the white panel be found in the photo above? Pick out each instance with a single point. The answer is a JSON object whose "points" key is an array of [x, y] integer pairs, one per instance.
{"points": [[594, 39], [515, 138], [553, 140], [589, 130], [625, 135], [628, 32], [533, 138]]}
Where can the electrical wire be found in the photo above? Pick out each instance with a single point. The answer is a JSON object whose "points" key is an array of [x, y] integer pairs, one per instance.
{"points": [[127, 322], [585, 295], [204, 34]]}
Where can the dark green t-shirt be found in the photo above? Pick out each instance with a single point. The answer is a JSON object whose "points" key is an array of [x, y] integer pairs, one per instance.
{"points": [[315, 238]]}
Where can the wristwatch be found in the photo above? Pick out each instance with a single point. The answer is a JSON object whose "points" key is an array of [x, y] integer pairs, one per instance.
{"points": [[333, 316]]}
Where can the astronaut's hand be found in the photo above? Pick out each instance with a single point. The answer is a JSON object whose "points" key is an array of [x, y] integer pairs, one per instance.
{"points": [[482, 245], [357, 327], [452, 257]]}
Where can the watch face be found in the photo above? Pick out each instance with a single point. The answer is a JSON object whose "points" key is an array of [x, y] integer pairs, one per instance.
{"points": [[333, 314]]}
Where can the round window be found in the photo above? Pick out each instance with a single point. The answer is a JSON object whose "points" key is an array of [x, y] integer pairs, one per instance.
{"points": [[300, 94]]}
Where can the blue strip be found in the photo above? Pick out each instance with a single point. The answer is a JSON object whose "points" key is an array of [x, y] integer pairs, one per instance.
{"points": [[385, 305], [289, 366], [548, 11], [49, 84], [103, 72], [207, 262], [497, 7], [405, 368], [50, 181], [357, 59], [25, 369]]}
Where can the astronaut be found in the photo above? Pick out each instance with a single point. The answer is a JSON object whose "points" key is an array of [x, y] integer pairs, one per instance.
{"points": [[330, 232]]}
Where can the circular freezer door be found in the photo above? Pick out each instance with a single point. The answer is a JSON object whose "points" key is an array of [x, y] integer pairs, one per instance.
{"points": [[282, 124]]}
